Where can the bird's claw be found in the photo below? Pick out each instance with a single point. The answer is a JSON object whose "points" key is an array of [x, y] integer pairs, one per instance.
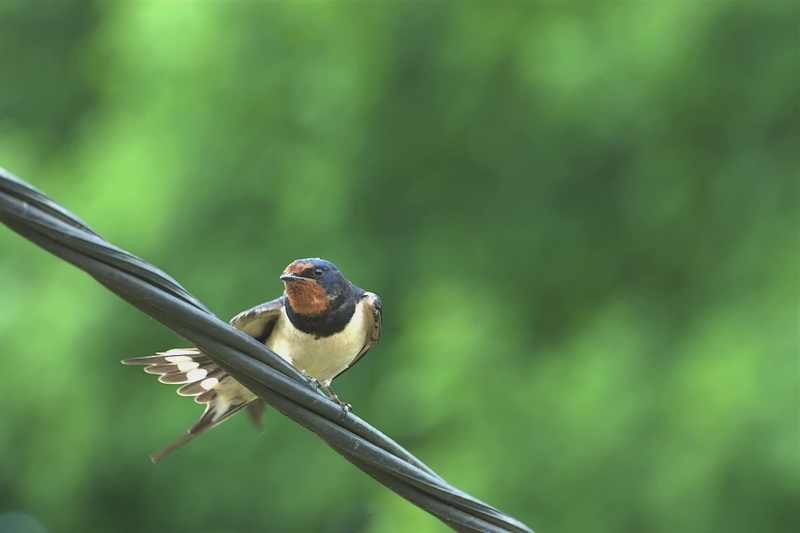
{"points": [[314, 382], [346, 407]]}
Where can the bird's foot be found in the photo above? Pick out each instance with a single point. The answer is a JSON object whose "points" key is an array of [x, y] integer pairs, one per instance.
{"points": [[346, 407], [314, 382]]}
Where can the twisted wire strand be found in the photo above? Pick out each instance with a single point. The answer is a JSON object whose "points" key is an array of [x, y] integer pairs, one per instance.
{"points": [[46, 223]]}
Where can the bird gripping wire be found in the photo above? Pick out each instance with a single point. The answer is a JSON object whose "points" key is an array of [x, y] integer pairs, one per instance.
{"points": [[52, 227]]}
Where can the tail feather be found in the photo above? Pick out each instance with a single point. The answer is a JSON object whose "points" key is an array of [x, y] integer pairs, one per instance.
{"points": [[256, 409], [211, 380], [205, 397], [206, 422], [209, 384]]}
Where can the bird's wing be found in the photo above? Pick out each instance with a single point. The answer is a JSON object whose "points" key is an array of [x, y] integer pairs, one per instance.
{"points": [[374, 318], [259, 321], [207, 382]]}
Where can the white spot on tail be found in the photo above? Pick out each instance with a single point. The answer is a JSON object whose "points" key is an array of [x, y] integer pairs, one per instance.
{"points": [[183, 367], [195, 375], [178, 359], [209, 383]]}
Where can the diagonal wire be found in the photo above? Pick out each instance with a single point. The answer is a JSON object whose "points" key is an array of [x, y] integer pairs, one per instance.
{"points": [[49, 225]]}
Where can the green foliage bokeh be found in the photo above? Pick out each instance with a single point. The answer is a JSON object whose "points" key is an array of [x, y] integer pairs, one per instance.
{"points": [[582, 219]]}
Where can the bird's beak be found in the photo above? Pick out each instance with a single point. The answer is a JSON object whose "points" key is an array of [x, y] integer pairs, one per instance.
{"points": [[292, 277]]}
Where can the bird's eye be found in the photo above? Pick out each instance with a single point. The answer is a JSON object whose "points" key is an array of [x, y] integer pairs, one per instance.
{"points": [[318, 272]]}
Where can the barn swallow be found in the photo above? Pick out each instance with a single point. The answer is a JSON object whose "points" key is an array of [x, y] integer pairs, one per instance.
{"points": [[322, 325]]}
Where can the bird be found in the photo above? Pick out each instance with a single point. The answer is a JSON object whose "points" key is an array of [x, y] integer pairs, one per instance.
{"points": [[322, 324]]}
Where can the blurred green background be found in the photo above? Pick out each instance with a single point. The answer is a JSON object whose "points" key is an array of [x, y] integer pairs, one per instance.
{"points": [[582, 219]]}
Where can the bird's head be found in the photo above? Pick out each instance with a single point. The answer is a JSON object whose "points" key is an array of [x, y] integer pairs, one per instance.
{"points": [[312, 285]]}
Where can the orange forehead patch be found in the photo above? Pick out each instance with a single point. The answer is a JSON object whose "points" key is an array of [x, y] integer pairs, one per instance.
{"points": [[297, 267]]}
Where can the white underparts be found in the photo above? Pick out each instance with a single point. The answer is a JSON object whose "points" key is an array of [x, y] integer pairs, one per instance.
{"points": [[322, 358]]}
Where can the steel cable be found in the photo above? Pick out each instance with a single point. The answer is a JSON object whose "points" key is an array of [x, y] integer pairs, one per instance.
{"points": [[49, 225]]}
